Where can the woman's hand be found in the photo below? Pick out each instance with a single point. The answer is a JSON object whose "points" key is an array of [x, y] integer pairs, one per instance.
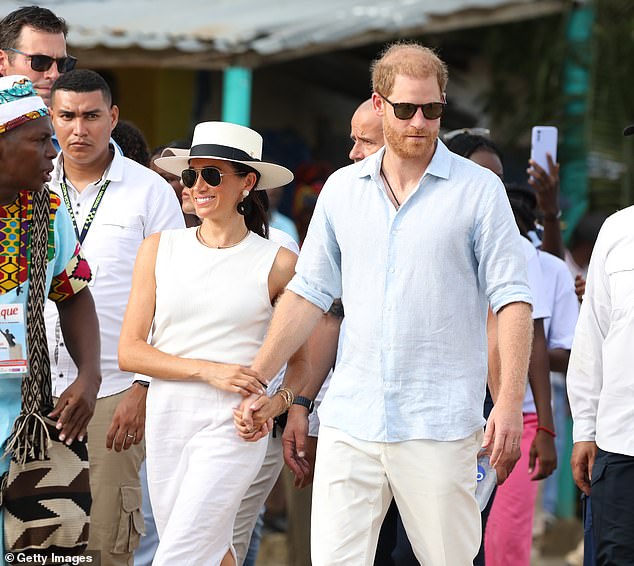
{"points": [[253, 419], [233, 378]]}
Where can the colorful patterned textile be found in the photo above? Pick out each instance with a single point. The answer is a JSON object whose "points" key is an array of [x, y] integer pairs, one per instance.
{"points": [[18, 102], [15, 220]]}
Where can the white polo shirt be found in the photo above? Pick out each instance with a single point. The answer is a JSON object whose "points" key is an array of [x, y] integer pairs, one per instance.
{"points": [[136, 203]]}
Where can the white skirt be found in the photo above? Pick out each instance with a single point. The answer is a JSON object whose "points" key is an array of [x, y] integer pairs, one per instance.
{"points": [[198, 470]]}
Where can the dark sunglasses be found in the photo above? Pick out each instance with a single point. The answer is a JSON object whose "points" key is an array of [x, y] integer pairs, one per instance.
{"points": [[406, 110], [211, 175], [41, 63]]}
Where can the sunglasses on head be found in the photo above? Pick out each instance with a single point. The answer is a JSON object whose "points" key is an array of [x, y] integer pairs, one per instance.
{"points": [[211, 175], [406, 110], [41, 63]]}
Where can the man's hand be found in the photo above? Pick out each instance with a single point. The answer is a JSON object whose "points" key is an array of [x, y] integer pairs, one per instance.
{"points": [[546, 185], [582, 461], [253, 419], [543, 451], [128, 422], [75, 407], [297, 445], [502, 438], [580, 287]]}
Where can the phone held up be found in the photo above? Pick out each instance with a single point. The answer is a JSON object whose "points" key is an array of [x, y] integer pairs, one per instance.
{"points": [[543, 142]]}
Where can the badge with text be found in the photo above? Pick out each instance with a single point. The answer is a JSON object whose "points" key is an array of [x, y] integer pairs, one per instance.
{"points": [[12, 340]]}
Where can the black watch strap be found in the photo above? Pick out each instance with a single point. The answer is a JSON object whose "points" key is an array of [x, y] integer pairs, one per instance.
{"points": [[304, 402], [142, 382]]}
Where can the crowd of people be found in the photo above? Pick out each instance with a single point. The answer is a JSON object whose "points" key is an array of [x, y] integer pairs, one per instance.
{"points": [[433, 315]]}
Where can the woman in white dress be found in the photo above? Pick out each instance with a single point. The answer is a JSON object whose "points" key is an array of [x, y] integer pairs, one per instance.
{"points": [[205, 296]]}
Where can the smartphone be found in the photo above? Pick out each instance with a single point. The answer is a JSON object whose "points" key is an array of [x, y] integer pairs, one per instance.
{"points": [[543, 141]]}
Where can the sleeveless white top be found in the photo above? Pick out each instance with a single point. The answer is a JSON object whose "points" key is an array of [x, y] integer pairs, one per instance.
{"points": [[212, 304]]}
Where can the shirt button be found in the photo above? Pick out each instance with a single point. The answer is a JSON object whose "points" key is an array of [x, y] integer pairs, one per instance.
{"points": [[61, 375], [392, 270]]}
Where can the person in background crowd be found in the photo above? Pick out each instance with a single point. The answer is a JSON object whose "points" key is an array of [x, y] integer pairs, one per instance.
{"points": [[33, 44], [26, 154], [182, 193], [132, 142], [114, 203], [601, 390], [401, 372]]}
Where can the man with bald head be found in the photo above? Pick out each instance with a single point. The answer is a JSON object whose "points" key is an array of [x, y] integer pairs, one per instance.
{"points": [[366, 132]]}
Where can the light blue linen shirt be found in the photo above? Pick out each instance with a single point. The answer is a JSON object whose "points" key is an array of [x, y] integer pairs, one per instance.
{"points": [[415, 285]]}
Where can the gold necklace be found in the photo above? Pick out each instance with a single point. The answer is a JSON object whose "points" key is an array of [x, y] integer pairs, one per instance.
{"points": [[201, 239]]}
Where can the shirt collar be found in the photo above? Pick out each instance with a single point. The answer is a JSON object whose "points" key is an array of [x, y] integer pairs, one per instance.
{"points": [[114, 171], [439, 166]]}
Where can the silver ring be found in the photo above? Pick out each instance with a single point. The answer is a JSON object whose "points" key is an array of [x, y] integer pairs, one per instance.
{"points": [[131, 435]]}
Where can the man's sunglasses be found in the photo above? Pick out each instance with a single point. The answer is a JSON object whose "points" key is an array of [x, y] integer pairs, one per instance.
{"points": [[406, 110], [41, 63], [211, 175]]}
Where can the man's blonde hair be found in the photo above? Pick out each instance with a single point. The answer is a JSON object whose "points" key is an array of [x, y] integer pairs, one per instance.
{"points": [[410, 59]]}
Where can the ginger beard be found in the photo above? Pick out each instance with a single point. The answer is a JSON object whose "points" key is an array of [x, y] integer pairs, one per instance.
{"points": [[411, 143]]}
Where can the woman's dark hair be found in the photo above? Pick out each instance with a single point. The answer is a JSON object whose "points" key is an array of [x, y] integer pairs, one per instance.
{"points": [[523, 202], [256, 204], [466, 144]]}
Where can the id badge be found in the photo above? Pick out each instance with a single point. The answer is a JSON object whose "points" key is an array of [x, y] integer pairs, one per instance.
{"points": [[13, 356]]}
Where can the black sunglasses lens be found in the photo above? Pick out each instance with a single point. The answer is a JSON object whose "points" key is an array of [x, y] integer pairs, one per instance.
{"points": [[65, 64], [433, 110], [404, 110], [188, 176], [41, 63], [212, 176]]}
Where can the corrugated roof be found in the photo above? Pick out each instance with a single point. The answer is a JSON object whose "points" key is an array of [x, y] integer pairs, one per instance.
{"points": [[251, 32]]}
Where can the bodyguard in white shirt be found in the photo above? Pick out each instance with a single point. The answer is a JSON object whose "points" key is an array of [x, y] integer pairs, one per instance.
{"points": [[115, 203], [601, 389]]}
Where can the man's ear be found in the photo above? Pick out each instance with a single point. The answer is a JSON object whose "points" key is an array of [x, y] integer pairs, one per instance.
{"points": [[377, 104], [4, 62], [114, 116]]}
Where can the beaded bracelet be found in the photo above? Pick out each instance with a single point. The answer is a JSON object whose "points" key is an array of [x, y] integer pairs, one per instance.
{"points": [[547, 431]]}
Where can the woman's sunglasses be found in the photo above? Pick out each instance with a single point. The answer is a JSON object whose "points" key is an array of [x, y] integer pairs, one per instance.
{"points": [[41, 63], [406, 110], [211, 175]]}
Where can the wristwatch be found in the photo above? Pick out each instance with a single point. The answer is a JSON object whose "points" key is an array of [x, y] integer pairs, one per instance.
{"points": [[142, 382], [304, 402]]}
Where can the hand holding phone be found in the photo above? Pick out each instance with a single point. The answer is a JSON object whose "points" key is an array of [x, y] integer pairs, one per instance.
{"points": [[544, 142]]}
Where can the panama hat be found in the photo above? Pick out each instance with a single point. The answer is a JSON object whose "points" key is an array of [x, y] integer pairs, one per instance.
{"points": [[227, 142]]}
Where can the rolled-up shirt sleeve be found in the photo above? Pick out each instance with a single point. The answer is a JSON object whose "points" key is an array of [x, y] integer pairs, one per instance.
{"points": [[318, 272], [498, 250], [585, 369]]}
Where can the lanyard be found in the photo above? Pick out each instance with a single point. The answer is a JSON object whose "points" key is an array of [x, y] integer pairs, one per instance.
{"points": [[91, 215]]}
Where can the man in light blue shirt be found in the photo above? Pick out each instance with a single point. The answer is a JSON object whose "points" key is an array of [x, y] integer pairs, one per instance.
{"points": [[417, 242]]}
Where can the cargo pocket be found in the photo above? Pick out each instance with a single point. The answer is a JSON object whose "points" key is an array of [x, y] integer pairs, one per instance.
{"points": [[131, 524]]}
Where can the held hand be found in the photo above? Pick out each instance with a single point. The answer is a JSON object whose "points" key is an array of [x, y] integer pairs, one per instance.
{"points": [[543, 451], [582, 461], [546, 185], [253, 419], [75, 407], [234, 378], [502, 438], [128, 422], [296, 445]]}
